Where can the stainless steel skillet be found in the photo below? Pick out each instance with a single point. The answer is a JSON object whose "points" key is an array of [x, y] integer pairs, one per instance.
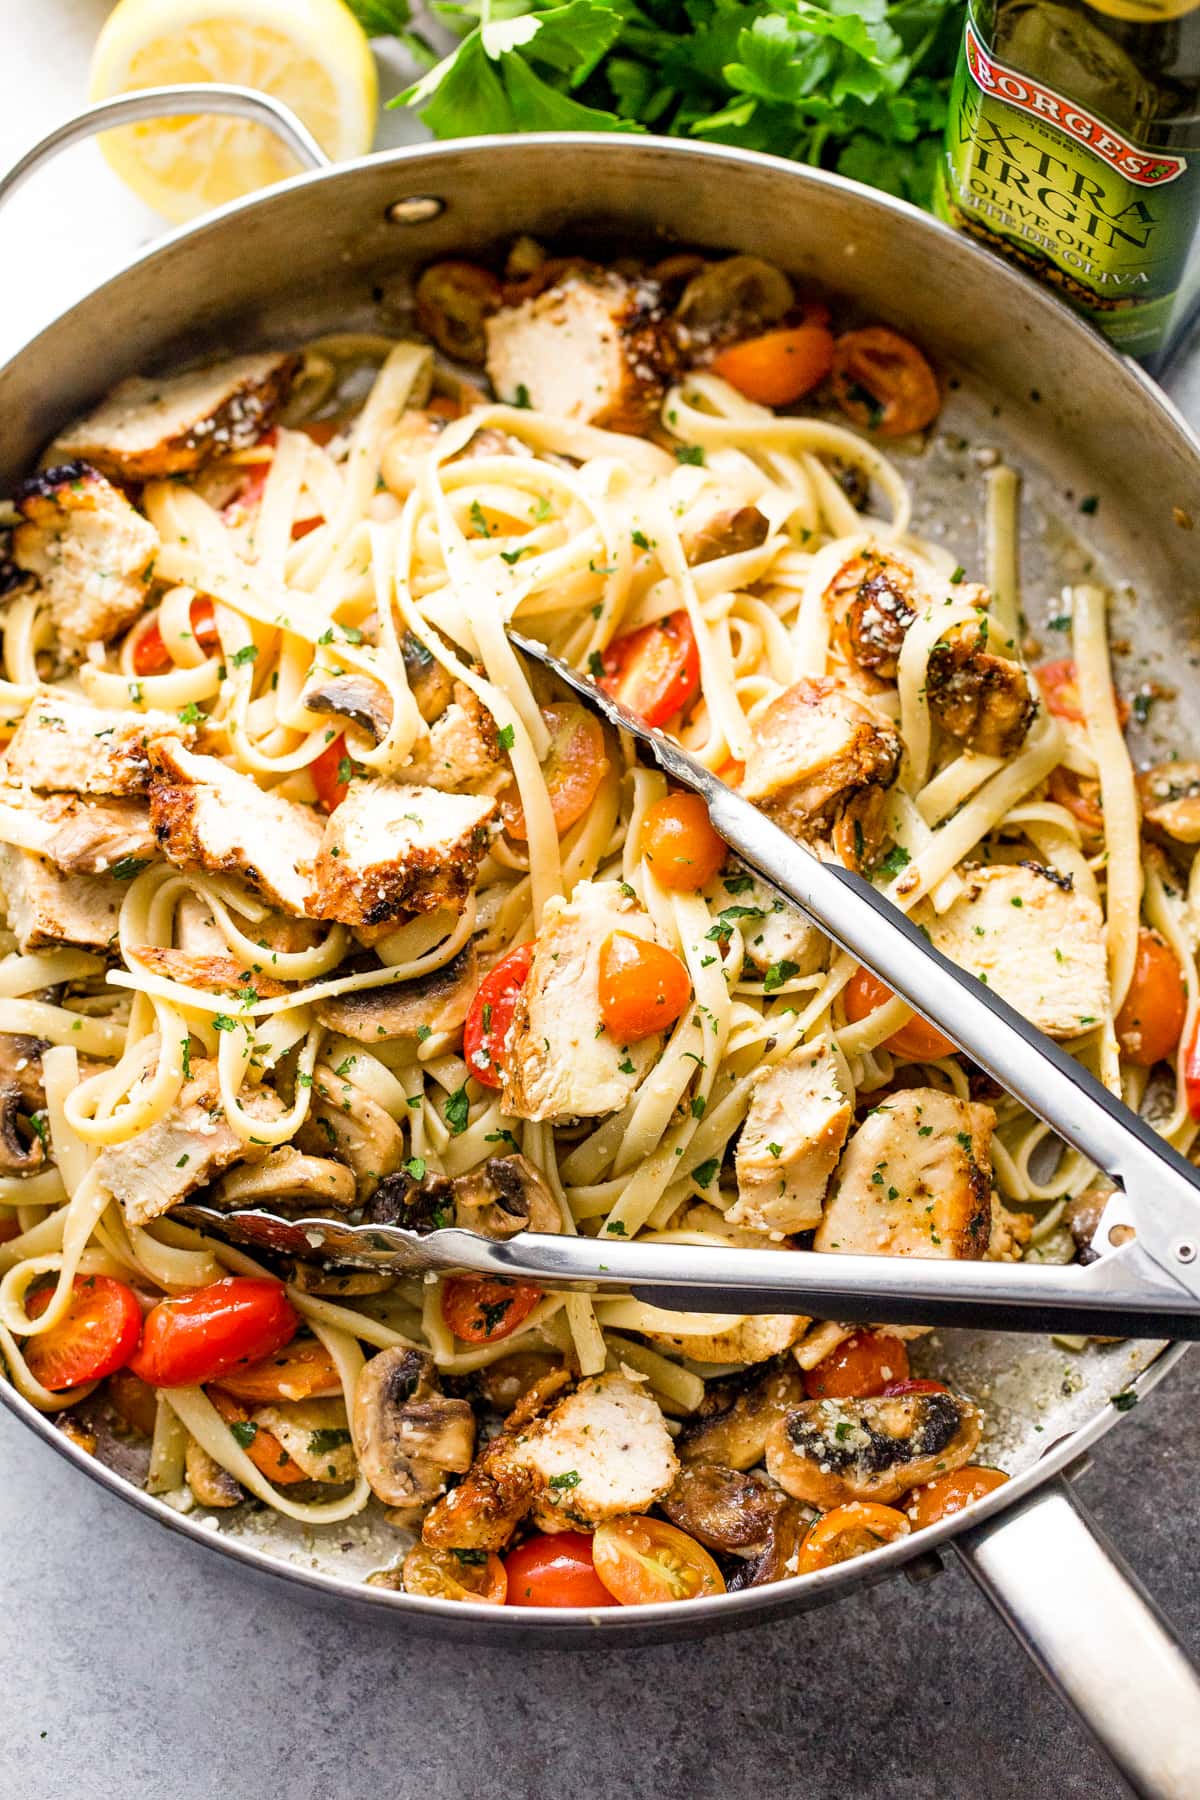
{"points": [[336, 249]]}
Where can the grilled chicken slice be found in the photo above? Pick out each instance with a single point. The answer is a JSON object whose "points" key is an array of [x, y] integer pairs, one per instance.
{"points": [[1030, 936], [90, 550], [80, 837], [153, 1171], [603, 1451], [1171, 801], [872, 601], [729, 1337], [488, 1504], [799, 1116], [462, 748], [828, 1452], [157, 426], [736, 1416], [978, 696], [773, 930], [314, 1434], [559, 1060], [215, 974], [595, 348], [915, 1180], [46, 908], [820, 763], [62, 745], [390, 849], [208, 816], [439, 1001]]}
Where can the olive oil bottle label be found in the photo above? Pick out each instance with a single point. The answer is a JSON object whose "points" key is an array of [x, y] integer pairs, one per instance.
{"points": [[1042, 179]]}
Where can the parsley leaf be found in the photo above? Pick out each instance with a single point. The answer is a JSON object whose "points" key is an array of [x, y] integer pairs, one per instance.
{"points": [[457, 1109]]}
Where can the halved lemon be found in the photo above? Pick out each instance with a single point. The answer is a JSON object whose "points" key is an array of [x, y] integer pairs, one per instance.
{"points": [[311, 54]]}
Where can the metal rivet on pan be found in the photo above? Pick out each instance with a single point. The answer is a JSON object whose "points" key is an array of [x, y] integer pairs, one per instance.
{"points": [[415, 209], [1185, 1252]]}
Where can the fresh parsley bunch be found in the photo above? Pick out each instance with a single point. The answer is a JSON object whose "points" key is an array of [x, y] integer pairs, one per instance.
{"points": [[859, 87]]}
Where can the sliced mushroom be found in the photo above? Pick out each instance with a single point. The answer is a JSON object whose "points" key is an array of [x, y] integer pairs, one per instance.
{"points": [[453, 300], [287, 1178], [737, 1416], [505, 1383], [408, 1434], [364, 702], [1171, 800], [424, 1205], [1082, 1219], [736, 295], [830, 1451], [339, 1284], [439, 1000], [779, 1556], [431, 685], [21, 1092], [345, 1120], [506, 1195], [728, 533], [210, 1483], [727, 1509]]}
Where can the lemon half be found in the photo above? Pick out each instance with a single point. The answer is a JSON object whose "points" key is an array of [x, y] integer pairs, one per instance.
{"points": [[311, 54]]}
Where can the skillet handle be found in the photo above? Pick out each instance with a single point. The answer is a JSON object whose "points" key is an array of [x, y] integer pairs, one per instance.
{"points": [[166, 103], [1091, 1627]]}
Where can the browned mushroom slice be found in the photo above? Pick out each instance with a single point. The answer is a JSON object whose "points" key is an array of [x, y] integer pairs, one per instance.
{"points": [[439, 1001], [871, 599], [504, 1196], [21, 1093], [431, 685], [506, 1382], [408, 1434], [286, 1180], [727, 533], [982, 699], [779, 1556], [831, 1451], [453, 300], [211, 1485], [732, 297], [355, 697], [727, 1509], [1171, 800], [737, 1415], [344, 1122], [339, 1284]]}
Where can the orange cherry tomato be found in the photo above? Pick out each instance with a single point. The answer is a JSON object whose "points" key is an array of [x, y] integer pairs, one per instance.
{"points": [[575, 766], [1080, 795], [859, 1369], [950, 1493], [655, 671], [732, 772], [150, 655], [327, 770], [643, 988], [134, 1401], [1059, 682], [302, 527], [301, 1370], [262, 1447], [914, 1042], [482, 1309], [641, 1560], [491, 1013], [203, 1335], [680, 844], [1154, 1010], [778, 367], [555, 1570], [455, 1575], [882, 381], [849, 1531], [97, 1334]]}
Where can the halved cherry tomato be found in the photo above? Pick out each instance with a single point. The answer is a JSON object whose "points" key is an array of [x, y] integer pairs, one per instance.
{"points": [[914, 1384], [575, 766], [1080, 794], [732, 772], [1153, 1012], [455, 1575], [203, 1335], [680, 844], [302, 527], [302, 1370], [262, 1447], [1059, 682], [882, 381], [915, 1042], [97, 1334], [1191, 1071], [482, 1309], [491, 1015], [643, 987], [150, 655], [654, 671], [859, 1369], [643, 1560], [134, 1401], [776, 368], [555, 1570], [331, 790], [950, 1493], [849, 1531]]}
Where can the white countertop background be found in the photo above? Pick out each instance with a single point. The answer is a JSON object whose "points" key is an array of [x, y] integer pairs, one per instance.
{"points": [[132, 1664]]}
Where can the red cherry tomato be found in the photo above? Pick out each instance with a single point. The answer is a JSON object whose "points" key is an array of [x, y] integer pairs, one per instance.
{"points": [[643, 987], [555, 1570], [859, 1369], [150, 656], [1153, 1012], [654, 671], [97, 1334], [914, 1042], [482, 1309], [491, 1015], [1059, 682], [679, 843], [203, 1335], [324, 769], [1191, 1071], [914, 1385]]}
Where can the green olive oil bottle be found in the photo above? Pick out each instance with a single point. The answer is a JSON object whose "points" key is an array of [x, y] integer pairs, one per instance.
{"points": [[1073, 148]]}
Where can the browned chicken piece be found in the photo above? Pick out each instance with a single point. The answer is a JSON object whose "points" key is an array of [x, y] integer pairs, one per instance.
{"points": [[915, 1180], [795, 1127], [89, 548], [1171, 801], [602, 1451], [215, 974], [314, 1434], [390, 849], [46, 908], [594, 348], [820, 763], [829, 1452], [439, 1001], [727, 533], [63, 745], [211, 1485], [81, 837], [462, 748], [408, 1435], [872, 604], [736, 1415], [488, 1504], [977, 696], [158, 426]]}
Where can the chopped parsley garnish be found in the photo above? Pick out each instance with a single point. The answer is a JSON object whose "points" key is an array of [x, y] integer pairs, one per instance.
{"points": [[896, 859], [703, 1173], [457, 1109], [126, 867], [778, 973], [690, 453], [507, 736], [247, 654], [415, 1166]]}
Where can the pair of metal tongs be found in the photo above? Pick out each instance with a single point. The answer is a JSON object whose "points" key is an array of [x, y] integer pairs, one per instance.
{"points": [[1144, 1281]]}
